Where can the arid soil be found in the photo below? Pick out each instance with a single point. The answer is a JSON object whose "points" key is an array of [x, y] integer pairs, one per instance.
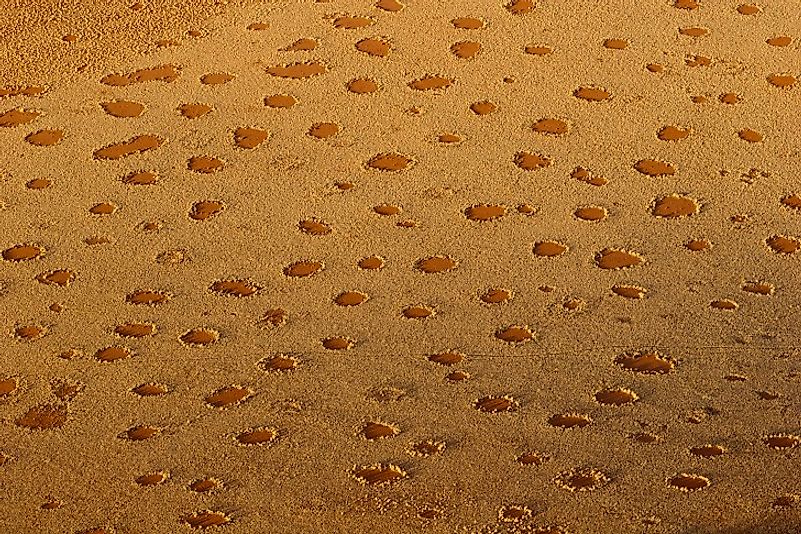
{"points": [[400, 266]]}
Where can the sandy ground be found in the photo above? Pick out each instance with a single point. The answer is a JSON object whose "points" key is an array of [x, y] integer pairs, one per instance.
{"points": [[418, 266]]}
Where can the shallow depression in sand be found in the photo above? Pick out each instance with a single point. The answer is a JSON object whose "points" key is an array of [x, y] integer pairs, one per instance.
{"points": [[135, 330], [257, 436], [613, 259], [582, 479], [164, 73], [250, 138], [530, 161], [205, 209], [280, 101], [323, 130], [373, 431], [298, 71], [377, 47], [592, 93], [782, 441], [140, 178], [549, 249], [569, 420], [430, 82], [629, 291], [113, 353], [532, 458], [16, 117], [234, 288], [782, 244], [590, 213], [674, 206], [300, 269], [204, 519], [205, 164], [199, 337], [22, 252], [338, 343], [44, 417], [350, 298], [148, 297], [653, 167], [616, 397], [447, 358], [45, 137], [496, 296], [493, 404], [708, 451], [389, 161], [468, 23], [426, 448], [551, 126], [378, 474], [135, 145], [123, 108], [484, 212], [465, 49], [30, 90], [647, 362], [278, 363], [436, 264], [688, 482], [515, 334], [194, 110], [150, 389], [228, 396]]}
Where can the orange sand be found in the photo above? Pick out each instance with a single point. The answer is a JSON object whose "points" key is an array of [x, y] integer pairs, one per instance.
{"points": [[400, 266]]}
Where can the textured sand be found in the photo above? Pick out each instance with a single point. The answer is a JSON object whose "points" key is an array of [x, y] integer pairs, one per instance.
{"points": [[419, 266]]}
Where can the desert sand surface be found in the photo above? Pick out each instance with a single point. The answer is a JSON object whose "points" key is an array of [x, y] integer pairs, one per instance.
{"points": [[405, 266]]}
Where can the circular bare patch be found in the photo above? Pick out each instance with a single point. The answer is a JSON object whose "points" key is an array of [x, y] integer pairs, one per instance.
{"points": [[674, 206], [646, 362], [389, 162], [373, 431], [378, 474], [199, 337], [612, 258], [484, 212], [113, 353], [436, 264], [257, 436], [234, 288], [782, 441], [707, 451], [300, 269], [653, 167], [549, 249], [592, 93], [23, 252], [688, 482], [44, 417], [279, 363], [581, 479], [782, 244], [517, 334], [135, 330], [148, 297], [616, 397], [496, 404], [228, 396], [204, 519], [569, 420]]}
